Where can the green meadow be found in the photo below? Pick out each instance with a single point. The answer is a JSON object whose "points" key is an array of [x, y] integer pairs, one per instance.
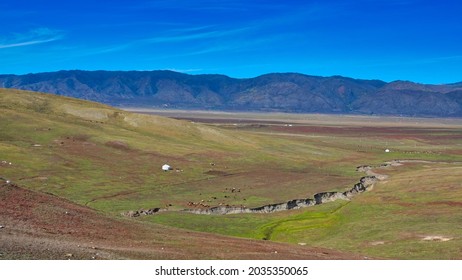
{"points": [[110, 160]]}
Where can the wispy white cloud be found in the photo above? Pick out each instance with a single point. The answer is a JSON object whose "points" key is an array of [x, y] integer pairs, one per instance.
{"points": [[192, 28], [27, 43], [173, 36], [32, 37], [185, 70], [182, 37]]}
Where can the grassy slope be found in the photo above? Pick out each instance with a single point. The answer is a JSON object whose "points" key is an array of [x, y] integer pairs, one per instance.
{"points": [[427, 205], [76, 159], [110, 160], [392, 221]]}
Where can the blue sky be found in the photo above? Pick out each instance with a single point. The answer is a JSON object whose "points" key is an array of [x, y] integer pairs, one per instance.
{"points": [[384, 39]]}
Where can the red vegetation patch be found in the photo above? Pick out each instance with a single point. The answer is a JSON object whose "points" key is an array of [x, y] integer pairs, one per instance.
{"points": [[217, 173], [118, 145], [42, 226], [448, 203], [369, 130]]}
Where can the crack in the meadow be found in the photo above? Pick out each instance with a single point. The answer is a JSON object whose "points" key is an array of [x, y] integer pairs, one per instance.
{"points": [[365, 183]]}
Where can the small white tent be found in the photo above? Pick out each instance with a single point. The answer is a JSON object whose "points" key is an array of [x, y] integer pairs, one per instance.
{"points": [[166, 167]]}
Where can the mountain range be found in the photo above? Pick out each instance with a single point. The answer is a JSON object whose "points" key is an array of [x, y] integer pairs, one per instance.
{"points": [[279, 92]]}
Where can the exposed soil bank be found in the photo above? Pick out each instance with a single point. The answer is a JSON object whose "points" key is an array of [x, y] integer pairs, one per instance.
{"points": [[143, 212], [36, 225], [365, 183]]}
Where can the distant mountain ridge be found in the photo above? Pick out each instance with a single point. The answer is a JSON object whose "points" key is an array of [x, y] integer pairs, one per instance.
{"points": [[281, 92]]}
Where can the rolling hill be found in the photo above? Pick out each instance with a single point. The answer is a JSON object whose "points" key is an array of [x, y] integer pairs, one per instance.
{"points": [[72, 172], [69, 168], [280, 92]]}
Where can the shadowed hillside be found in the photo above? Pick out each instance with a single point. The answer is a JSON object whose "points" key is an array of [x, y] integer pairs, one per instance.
{"points": [[283, 92]]}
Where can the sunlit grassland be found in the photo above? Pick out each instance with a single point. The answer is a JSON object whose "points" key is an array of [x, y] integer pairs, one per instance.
{"points": [[68, 152], [110, 160], [391, 221]]}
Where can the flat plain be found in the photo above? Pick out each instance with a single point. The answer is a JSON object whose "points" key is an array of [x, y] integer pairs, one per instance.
{"points": [[72, 169]]}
